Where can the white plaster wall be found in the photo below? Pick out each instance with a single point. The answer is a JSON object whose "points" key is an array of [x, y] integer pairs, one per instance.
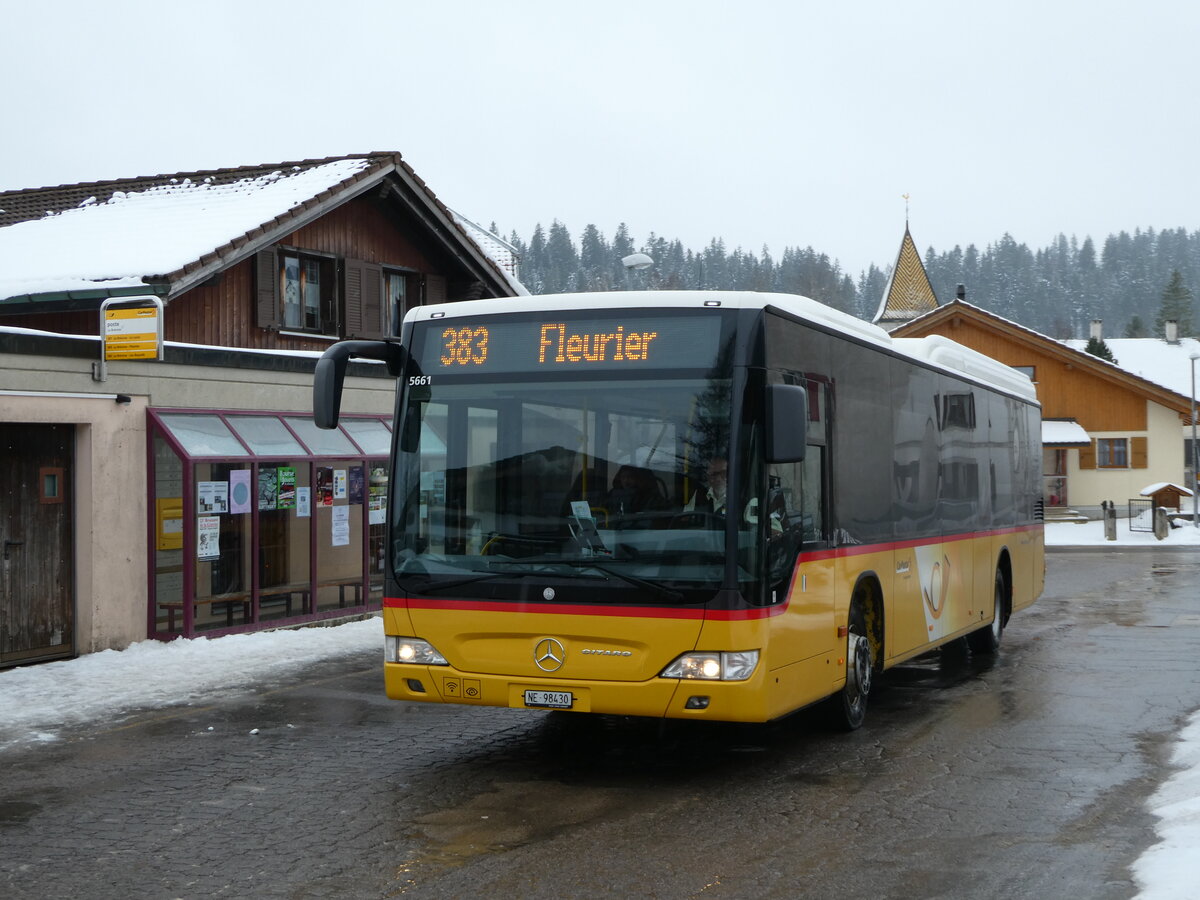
{"points": [[109, 509], [111, 497], [1088, 487]]}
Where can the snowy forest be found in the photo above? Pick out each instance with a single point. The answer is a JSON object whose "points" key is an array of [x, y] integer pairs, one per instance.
{"points": [[1056, 290]]}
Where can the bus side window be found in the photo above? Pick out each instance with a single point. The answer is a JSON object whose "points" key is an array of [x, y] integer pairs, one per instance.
{"points": [[814, 493], [797, 489]]}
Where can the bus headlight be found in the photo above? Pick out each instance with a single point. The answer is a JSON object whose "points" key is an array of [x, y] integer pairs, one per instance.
{"points": [[411, 650], [733, 666]]}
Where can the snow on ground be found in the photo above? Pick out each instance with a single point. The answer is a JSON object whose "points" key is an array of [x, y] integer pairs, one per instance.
{"points": [[36, 702], [1167, 871], [1091, 534]]}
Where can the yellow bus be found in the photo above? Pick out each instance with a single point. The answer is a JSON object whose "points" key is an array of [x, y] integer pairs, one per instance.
{"points": [[696, 505]]}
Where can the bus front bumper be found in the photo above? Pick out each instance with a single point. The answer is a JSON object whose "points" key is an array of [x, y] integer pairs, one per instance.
{"points": [[740, 701]]}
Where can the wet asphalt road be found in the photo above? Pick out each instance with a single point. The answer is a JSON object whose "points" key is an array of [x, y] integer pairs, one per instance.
{"points": [[1022, 777]]}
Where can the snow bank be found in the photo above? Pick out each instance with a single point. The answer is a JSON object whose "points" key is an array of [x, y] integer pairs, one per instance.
{"points": [[37, 701]]}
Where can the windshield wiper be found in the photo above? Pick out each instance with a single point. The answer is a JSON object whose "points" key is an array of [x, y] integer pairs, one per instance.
{"points": [[628, 579], [435, 587]]}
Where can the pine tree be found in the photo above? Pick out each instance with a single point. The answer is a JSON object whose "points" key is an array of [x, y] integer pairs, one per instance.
{"points": [[622, 246], [1176, 304], [562, 259], [535, 265], [593, 259], [1097, 347], [1136, 328]]}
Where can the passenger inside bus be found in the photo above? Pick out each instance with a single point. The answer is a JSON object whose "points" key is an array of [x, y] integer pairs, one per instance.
{"points": [[635, 489]]}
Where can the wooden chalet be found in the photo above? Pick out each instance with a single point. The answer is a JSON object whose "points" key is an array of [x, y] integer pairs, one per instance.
{"points": [[191, 494], [343, 246]]}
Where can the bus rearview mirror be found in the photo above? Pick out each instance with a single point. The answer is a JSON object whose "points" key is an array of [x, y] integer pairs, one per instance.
{"points": [[787, 422], [330, 374]]}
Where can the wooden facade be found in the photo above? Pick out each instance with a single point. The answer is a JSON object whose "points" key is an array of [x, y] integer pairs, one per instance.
{"points": [[36, 527], [1098, 395]]}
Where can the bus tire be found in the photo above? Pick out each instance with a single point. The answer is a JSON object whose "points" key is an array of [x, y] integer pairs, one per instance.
{"points": [[986, 640], [848, 708]]}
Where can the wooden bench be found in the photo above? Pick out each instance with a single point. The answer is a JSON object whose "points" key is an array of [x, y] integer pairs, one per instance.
{"points": [[271, 594], [176, 606]]}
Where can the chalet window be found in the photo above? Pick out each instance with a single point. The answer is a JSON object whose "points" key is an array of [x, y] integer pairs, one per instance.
{"points": [[397, 289], [1031, 371], [1112, 453], [307, 290], [300, 291]]}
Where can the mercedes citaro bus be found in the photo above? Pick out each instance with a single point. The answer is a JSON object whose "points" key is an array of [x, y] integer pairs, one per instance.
{"points": [[706, 505]]}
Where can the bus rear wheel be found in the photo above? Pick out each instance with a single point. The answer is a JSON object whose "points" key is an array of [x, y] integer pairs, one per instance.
{"points": [[849, 707], [986, 640]]}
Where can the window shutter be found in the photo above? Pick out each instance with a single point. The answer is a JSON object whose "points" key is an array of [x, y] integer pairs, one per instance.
{"points": [[1139, 453], [435, 289], [1087, 456], [363, 295], [266, 279]]}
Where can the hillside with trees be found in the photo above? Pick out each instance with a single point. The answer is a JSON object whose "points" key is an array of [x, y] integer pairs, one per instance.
{"points": [[1132, 281]]}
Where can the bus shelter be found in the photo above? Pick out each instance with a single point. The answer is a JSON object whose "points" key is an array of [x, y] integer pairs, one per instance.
{"points": [[260, 519]]}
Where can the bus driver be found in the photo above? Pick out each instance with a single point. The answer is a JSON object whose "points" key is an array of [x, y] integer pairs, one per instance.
{"points": [[714, 499]]}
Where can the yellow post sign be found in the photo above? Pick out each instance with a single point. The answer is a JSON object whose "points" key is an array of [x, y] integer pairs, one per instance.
{"points": [[131, 333]]}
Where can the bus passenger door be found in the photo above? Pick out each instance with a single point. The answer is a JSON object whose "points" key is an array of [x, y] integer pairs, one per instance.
{"points": [[800, 560]]}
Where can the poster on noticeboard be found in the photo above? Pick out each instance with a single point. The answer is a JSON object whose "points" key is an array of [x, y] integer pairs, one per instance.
{"points": [[285, 497], [208, 537], [324, 486], [268, 488]]}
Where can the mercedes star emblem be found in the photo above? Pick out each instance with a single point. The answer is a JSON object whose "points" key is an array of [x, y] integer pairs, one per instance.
{"points": [[549, 655]]}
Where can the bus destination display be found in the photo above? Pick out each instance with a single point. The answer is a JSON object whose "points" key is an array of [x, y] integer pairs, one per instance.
{"points": [[550, 345]]}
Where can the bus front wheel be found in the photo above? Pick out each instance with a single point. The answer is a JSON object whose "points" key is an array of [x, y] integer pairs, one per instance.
{"points": [[849, 706]]}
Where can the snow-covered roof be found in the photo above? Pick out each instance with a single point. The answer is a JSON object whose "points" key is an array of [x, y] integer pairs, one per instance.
{"points": [[1171, 397], [1165, 364], [1064, 433], [175, 230], [1151, 489], [501, 252], [155, 229]]}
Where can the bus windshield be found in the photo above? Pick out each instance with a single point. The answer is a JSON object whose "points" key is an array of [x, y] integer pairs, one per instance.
{"points": [[600, 479]]}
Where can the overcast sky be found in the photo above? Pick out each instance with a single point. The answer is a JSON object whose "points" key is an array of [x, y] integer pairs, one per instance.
{"points": [[785, 123]]}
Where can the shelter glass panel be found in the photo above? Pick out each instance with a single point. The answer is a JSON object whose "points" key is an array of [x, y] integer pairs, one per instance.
{"points": [[319, 441], [372, 435], [222, 561], [266, 435], [284, 540], [203, 435], [340, 534]]}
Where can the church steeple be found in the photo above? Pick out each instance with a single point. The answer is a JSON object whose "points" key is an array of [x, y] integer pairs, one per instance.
{"points": [[908, 293]]}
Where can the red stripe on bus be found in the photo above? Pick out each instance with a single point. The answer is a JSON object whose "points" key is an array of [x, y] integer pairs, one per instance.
{"points": [[719, 615], [561, 609]]}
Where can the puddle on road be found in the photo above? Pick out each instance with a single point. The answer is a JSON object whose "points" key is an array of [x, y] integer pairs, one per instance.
{"points": [[15, 812], [511, 815]]}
